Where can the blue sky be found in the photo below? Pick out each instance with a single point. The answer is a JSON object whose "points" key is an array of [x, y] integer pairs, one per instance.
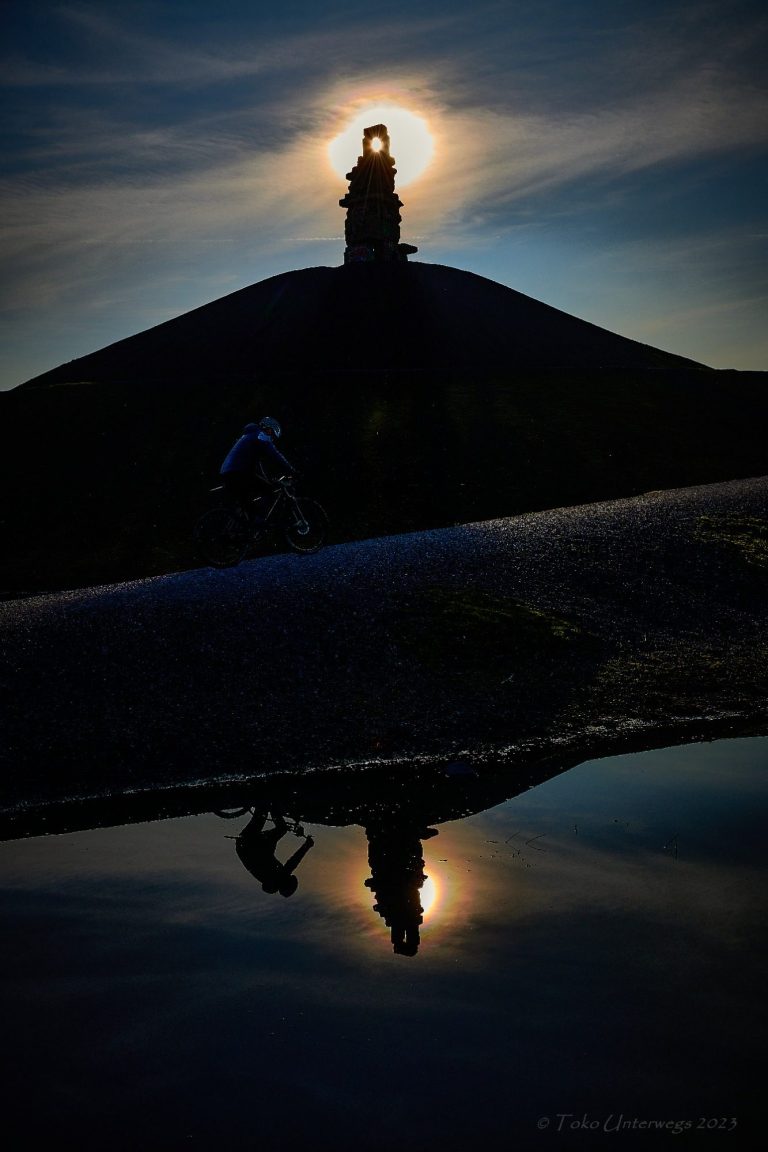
{"points": [[606, 158]]}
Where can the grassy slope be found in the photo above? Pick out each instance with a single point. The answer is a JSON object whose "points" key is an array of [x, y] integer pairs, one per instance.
{"points": [[103, 482]]}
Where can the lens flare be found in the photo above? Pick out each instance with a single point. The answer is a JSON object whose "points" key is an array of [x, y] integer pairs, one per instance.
{"points": [[376, 144], [411, 141]]}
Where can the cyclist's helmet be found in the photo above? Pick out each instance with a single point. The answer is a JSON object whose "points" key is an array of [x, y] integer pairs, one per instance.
{"points": [[269, 424]]}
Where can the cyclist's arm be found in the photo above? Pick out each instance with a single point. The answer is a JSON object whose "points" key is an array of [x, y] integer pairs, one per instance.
{"points": [[278, 459], [293, 861]]}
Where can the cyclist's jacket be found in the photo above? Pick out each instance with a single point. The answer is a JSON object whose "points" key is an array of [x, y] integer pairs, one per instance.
{"points": [[254, 452]]}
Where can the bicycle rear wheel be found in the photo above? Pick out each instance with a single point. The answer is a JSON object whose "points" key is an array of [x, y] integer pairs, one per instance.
{"points": [[306, 525], [221, 537]]}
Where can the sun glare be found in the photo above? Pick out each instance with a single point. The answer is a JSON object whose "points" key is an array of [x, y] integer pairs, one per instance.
{"points": [[376, 144], [411, 142], [429, 895]]}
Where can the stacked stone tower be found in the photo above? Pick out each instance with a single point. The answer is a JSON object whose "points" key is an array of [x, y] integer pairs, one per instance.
{"points": [[372, 228]]}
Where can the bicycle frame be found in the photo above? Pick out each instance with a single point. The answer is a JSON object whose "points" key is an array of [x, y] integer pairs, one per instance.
{"points": [[282, 494], [271, 510], [224, 534]]}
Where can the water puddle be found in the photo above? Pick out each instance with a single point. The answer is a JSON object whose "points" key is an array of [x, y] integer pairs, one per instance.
{"points": [[566, 966]]}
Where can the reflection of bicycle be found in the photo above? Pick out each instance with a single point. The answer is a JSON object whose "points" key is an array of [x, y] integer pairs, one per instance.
{"points": [[236, 813], [224, 535]]}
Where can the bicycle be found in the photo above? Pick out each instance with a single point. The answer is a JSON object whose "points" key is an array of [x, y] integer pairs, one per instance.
{"points": [[290, 825], [224, 535], [248, 810]]}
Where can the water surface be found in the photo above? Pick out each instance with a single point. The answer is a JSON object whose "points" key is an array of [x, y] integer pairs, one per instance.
{"points": [[587, 961]]}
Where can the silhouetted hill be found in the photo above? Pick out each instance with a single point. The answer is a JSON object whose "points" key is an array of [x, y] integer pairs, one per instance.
{"points": [[398, 317], [412, 396]]}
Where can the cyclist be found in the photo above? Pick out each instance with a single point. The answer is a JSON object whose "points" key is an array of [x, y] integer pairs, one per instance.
{"points": [[251, 459], [256, 848]]}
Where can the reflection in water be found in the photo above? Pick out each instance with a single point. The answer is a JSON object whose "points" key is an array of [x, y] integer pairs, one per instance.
{"points": [[256, 847], [397, 876], [429, 896], [397, 809], [394, 856], [588, 969]]}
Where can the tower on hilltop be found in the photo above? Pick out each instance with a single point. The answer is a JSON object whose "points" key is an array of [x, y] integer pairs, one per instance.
{"points": [[372, 227]]}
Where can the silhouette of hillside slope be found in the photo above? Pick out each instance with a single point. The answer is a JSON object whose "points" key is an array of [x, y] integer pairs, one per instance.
{"points": [[387, 316], [412, 396]]}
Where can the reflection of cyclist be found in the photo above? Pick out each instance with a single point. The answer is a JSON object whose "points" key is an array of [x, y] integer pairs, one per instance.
{"points": [[251, 459], [256, 849]]}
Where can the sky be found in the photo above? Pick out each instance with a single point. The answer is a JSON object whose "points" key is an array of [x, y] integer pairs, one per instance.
{"points": [[607, 158]]}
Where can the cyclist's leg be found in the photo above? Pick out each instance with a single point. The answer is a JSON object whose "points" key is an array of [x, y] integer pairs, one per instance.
{"points": [[280, 823], [237, 491], [254, 827], [259, 502]]}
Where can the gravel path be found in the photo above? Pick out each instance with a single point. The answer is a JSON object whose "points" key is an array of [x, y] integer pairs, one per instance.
{"points": [[593, 624]]}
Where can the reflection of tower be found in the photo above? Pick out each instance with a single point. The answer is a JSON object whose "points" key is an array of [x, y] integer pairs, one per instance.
{"points": [[396, 861], [372, 228]]}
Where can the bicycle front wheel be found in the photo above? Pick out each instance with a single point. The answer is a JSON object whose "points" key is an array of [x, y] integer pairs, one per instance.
{"points": [[221, 538], [306, 525]]}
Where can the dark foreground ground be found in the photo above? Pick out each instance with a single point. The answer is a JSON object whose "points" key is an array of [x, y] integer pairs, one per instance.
{"points": [[579, 631], [386, 453]]}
